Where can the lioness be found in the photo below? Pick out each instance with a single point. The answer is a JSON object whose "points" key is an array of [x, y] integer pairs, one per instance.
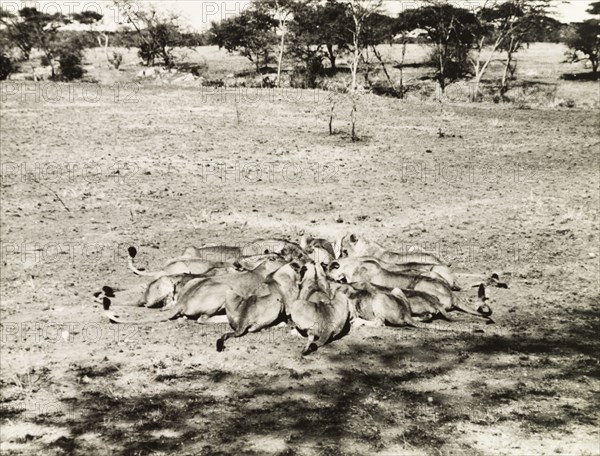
{"points": [[319, 250], [321, 311], [261, 309], [255, 247], [202, 297], [349, 270], [353, 246], [378, 306], [436, 271]]}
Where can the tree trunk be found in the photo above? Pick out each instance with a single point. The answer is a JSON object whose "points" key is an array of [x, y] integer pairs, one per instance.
{"points": [[385, 71], [331, 57], [401, 67], [441, 77], [509, 55], [105, 46], [354, 91], [355, 66], [49, 57], [481, 72], [504, 84], [353, 118], [166, 58], [367, 71], [280, 58], [331, 117], [477, 68]]}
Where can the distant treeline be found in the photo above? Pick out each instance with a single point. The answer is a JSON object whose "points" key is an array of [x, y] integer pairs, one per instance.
{"points": [[130, 38], [125, 39]]}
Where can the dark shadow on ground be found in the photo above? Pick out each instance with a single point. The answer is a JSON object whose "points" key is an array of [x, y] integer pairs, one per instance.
{"points": [[588, 76], [377, 389]]}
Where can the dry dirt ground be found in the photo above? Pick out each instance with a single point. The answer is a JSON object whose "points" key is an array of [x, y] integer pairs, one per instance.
{"points": [[492, 188]]}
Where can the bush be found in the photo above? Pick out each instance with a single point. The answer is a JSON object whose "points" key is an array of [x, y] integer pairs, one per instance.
{"points": [[305, 77], [116, 59], [384, 89], [148, 52], [198, 69], [6, 67], [456, 66], [70, 65]]}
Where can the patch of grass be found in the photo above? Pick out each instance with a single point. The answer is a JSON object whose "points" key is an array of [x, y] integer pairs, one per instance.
{"points": [[585, 416], [541, 421], [67, 444], [94, 371], [215, 376], [423, 435], [504, 395], [299, 375]]}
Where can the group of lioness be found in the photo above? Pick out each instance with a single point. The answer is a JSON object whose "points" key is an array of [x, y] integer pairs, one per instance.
{"points": [[319, 288]]}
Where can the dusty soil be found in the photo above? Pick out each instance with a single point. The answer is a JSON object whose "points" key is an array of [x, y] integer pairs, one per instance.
{"points": [[492, 188]]}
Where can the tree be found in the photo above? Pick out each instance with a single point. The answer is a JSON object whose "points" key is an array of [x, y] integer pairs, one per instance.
{"points": [[157, 34], [379, 29], [162, 36], [594, 9], [306, 43], [17, 32], [281, 11], [525, 19], [35, 29], [584, 38], [497, 24], [251, 33], [92, 19], [451, 33], [333, 29], [360, 10], [319, 31], [487, 34]]}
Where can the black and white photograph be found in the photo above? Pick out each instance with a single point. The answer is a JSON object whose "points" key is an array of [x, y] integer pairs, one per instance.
{"points": [[300, 227]]}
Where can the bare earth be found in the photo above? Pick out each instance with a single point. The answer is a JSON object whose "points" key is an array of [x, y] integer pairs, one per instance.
{"points": [[492, 188]]}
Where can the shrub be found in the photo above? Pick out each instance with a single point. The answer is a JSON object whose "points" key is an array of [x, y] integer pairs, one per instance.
{"points": [[456, 67], [568, 103], [116, 59], [198, 69], [70, 64], [6, 67], [384, 89], [147, 52], [305, 77]]}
